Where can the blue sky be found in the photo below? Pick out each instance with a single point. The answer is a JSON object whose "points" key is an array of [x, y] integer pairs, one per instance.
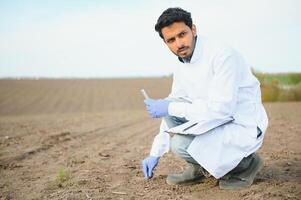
{"points": [[110, 38]]}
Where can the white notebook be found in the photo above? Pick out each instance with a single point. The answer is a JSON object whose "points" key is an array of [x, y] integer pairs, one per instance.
{"points": [[198, 128]]}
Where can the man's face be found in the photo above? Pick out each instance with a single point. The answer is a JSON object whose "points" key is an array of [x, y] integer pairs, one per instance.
{"points": [[180, 39]]}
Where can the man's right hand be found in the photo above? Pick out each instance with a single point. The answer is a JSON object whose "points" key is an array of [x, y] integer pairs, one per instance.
{"points": [[149, 164]]}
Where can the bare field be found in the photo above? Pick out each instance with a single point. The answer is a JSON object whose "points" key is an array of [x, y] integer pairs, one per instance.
{"points": [[85, 139]]}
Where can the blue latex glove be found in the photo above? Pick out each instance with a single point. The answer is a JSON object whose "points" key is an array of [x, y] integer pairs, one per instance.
{"points": [[149, 164], [157, 108]]}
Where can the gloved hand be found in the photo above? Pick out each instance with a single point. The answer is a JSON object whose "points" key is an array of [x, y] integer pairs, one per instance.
{"points": [[149, 165], [157, 108]]}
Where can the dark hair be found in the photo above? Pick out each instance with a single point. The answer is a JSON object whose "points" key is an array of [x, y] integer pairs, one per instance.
{"points": [[171, 15]]}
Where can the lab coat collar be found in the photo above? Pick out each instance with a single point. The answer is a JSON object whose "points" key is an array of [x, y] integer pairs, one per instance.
{"points": [[196, 55]]}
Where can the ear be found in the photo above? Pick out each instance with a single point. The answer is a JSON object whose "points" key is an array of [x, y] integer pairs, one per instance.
{"points": [[193, 29]]}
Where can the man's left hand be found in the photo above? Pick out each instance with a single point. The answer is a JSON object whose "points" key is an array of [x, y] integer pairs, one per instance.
{"points": [[157, 108]]}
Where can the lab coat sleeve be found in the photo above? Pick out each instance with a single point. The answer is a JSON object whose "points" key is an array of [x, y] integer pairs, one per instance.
{"points": [[161, 143], [176, 89], [222, 95]]}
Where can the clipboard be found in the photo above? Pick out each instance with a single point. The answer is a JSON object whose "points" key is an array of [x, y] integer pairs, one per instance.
{"points": [[198, 128]]}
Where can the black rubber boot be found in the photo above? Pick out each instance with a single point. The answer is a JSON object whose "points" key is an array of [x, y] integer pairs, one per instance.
{"points": [[243, 175], [192, 174]]}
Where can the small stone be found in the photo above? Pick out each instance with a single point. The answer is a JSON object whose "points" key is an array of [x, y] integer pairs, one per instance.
{"points": [[104, 155]]}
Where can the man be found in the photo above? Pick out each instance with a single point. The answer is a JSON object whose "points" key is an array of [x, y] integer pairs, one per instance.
{"points": [[212, 82]]}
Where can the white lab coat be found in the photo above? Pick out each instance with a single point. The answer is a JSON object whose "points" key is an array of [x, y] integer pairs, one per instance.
{"points": [[220, 85]]}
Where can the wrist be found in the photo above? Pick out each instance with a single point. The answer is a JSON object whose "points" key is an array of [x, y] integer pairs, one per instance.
{"points": [[155, 158], [167, 107]]}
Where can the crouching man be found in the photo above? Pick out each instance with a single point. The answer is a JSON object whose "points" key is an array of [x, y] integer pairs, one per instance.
{"points": [[212, 82]]}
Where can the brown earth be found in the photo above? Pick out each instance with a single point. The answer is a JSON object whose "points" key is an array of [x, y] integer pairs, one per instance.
{"points": [[85, 139]]}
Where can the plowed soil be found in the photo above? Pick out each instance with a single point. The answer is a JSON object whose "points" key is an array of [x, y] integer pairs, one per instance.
{"points": [[85, 139]]}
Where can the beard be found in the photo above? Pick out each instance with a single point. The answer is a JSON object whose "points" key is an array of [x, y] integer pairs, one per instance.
{"points": [[185, 52]]}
